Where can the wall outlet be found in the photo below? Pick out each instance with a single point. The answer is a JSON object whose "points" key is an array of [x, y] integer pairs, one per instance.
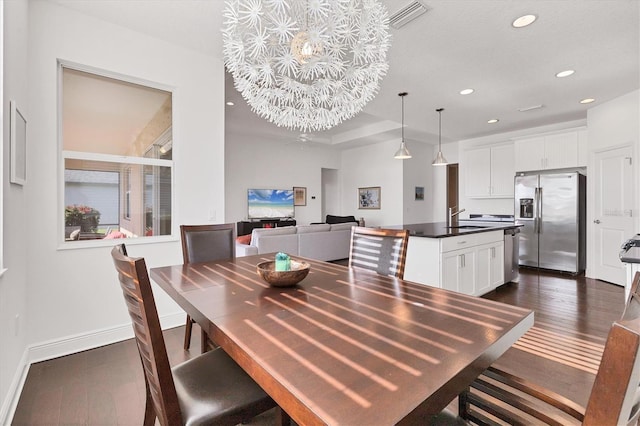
{"points": [[16, 324], [212, 215]]}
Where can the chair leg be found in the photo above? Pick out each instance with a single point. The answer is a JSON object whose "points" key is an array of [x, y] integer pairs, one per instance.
{"points": [[187, 333], [204, 341], [282, 418]]}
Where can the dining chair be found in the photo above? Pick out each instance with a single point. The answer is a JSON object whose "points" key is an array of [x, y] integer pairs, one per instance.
{"points": [[614, 398], [380, 250], [208, 389], [204, 243]]}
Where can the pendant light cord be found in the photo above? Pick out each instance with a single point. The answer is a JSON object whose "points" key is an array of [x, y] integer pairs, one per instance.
{"points": [[440, 129], [402, 95], [402, 118]]}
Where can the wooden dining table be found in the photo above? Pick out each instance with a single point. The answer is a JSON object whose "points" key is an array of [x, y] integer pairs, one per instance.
{"points": [[346, 346]]}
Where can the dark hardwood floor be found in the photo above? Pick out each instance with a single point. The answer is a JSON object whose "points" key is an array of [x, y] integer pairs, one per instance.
{"points": [[104, 386]]}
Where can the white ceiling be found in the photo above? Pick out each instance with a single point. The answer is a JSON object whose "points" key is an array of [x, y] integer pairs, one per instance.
{"points": [[457, 44]]}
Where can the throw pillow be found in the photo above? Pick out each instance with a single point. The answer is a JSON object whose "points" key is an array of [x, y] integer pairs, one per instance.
{"points": [[244, 239]]}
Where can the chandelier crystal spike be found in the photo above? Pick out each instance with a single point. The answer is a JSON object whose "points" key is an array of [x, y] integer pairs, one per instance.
{"points": [[306, 65], [440, 160], [402, 153]]}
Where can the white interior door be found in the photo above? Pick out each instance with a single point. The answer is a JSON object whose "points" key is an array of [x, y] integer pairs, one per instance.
{"points": [[613, 221]]}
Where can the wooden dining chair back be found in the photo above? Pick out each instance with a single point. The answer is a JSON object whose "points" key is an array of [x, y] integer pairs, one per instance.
{"points": [[380, 250], [205, 243], [136, 288], [614, 398], [208, 389]]}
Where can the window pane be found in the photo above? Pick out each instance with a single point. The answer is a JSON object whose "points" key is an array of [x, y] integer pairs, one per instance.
{"points": [[96, 202]]}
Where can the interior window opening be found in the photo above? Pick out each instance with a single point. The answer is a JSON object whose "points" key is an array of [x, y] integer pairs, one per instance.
{"points": [[117, 152]]}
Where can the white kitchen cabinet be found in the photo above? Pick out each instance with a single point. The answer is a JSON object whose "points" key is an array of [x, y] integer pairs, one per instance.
{"points": [[458, 271], [490, 267], [471, 263], [561, 150], [489, 172], [502, 171], [556, 151]]}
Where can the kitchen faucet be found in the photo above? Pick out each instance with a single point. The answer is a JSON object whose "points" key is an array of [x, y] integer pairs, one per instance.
{"points": [[453, 214]]}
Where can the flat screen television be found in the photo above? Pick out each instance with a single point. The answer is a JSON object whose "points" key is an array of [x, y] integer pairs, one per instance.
{"points": [[270, 203]]}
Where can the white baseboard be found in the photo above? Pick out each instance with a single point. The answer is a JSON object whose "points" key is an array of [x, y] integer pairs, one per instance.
{"points": [[13, 394], [66, 346], [82, 342]]}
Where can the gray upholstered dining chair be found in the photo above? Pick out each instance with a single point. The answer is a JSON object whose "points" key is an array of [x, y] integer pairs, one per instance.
{"points": [[380, 250], [205, 243], [208, 389]]}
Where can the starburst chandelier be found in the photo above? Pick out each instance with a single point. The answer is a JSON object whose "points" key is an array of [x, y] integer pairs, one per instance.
{"points": [[306, 64]]}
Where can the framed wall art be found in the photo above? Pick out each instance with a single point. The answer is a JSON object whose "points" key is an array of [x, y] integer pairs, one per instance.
{"points": [[299, 196], [419, 193], [369, 198], [18, 147]]}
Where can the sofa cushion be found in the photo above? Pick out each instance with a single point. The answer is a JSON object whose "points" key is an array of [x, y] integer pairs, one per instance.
{"points": [[258, 233], [332, 245], [305, 229], [343, 226], [279, 243]]}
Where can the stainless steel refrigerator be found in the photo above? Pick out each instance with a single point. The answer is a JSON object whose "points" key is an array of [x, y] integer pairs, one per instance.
{"points": [[552, 208]]}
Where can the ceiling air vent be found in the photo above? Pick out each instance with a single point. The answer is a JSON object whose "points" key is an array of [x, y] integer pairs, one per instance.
{"points": [[407, 14], [530, 108]]}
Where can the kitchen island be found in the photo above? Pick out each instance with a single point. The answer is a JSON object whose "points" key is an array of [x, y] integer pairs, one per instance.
{"points": [[467, 257]]}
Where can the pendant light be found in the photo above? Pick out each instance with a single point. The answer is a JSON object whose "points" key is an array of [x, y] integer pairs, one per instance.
{"points": [[402, 153], [440, 160]]}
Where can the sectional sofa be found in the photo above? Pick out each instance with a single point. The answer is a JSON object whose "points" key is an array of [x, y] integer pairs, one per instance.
{"points": [[319, 241]]}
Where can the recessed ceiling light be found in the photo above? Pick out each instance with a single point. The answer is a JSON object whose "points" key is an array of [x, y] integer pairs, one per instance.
{"points": [[230, 103], [565, 73], [493, 121], [523, 21], [466, 91], [587, 100]]}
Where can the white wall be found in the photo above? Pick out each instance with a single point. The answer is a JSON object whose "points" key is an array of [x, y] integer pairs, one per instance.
{"points": [[615, 122], [276, 164], [73, 297], [373, 165], [13, 284], [418, 171], [610, 124], [450, 152]]}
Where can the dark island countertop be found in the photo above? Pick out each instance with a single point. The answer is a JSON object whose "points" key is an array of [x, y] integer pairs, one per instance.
{"points": [[440, 229]]}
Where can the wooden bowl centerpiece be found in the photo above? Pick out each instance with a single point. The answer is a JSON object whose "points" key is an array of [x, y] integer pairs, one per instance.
{"points": [[298, 272]]}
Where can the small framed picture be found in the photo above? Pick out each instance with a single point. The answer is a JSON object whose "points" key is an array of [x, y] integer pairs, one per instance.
{"points": [[299, 196], [18, 145], [419, 193], [369, 198]]}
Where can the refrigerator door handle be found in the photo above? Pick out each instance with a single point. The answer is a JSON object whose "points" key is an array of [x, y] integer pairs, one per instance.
{"points": [[535, 210], [540, 212]]}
